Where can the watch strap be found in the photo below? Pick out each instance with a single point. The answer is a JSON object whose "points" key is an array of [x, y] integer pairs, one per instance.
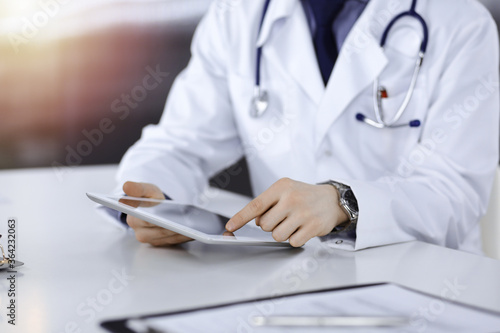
{"points": [[348, 203]]}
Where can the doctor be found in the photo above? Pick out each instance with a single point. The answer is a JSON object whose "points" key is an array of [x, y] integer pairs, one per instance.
{"points": [[355, 127]]}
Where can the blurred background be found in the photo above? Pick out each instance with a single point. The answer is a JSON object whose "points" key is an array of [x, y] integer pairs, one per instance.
{"points": [[64, 63], [68, 64]]}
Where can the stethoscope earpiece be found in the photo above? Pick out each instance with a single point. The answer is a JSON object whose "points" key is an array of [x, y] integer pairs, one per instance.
{"points": [[361, 117], [415, 123]]}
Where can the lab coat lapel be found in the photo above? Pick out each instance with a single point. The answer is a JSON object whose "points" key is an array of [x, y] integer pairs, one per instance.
{"points": [[360, 62], [290, 46]]}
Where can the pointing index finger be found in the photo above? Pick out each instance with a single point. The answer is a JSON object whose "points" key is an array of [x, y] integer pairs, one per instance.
{"points": [[254, 208]]}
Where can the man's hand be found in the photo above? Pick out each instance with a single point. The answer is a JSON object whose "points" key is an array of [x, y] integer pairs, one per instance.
{"points": [[293, 210], [146, 232]]}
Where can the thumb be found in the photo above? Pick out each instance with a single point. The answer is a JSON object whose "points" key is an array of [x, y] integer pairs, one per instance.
{"points": [[142, 190]]}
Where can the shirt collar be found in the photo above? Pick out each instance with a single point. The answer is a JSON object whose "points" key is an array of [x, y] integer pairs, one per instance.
{"points": [[280, 9]]}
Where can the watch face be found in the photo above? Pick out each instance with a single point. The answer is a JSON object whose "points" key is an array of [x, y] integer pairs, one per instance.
{"points": [[351, 199]]}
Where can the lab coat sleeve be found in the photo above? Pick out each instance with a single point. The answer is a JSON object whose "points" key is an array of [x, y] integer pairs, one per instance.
{"points": [[197, 135], [441, 188]]}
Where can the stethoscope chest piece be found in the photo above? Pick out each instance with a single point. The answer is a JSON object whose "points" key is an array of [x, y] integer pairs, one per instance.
{"points": [[260, 103]]}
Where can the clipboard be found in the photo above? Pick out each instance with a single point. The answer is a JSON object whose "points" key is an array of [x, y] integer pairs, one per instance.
{"points": [[422, 313]]}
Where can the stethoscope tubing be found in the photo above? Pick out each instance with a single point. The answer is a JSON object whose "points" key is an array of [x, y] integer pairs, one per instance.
{"points": [[259, 49], [260, 99]]}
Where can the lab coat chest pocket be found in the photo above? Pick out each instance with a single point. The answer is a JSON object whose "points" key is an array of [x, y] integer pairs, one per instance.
{"points": [[269, 134], [385, 147], [401, 49]]}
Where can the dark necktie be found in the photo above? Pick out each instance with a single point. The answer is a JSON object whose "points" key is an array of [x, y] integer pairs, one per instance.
{"points": [[325, 12]]}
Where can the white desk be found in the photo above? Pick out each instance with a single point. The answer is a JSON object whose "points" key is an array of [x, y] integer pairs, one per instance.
{"points": [[71, 252]]}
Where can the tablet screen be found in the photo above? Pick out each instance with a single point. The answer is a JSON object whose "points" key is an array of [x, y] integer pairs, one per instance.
{"points": [[186, 215], [189, 220]]}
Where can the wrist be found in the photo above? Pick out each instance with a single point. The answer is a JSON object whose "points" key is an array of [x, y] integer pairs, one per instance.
{"points": [[342, 216], [347, 206]]}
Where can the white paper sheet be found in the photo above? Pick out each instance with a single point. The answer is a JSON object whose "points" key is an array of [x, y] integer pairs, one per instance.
{"points": [[425, 313]]}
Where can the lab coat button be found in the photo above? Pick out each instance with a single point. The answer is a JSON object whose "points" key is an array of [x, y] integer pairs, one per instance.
{"points": [[328, 153], [339, 242]]}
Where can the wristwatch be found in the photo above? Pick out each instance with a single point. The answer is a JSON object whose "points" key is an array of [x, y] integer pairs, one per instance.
{"points": [[348, 202]]}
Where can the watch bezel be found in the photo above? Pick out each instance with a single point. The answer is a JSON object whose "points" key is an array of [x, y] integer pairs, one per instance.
{"points": [[346, 203]]}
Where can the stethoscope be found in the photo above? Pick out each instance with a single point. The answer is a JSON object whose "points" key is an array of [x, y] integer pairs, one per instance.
{"points": [[260, 100]]}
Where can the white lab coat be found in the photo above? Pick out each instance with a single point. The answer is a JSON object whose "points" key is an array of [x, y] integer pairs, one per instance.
{"points": [[430, 183]]}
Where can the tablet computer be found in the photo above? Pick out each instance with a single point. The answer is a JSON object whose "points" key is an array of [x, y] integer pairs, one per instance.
{"points": [[188, 220]]}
